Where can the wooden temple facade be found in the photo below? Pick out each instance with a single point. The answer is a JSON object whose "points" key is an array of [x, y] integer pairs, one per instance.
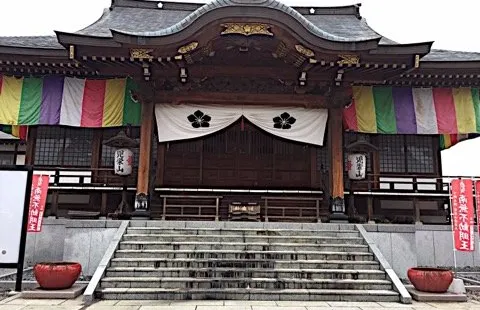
{"points": [[231, 53]]}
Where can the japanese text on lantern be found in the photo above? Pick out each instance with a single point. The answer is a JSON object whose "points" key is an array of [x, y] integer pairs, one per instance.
{"points": [[38, 197], [359, 165], [462, 211], [119, 160]]}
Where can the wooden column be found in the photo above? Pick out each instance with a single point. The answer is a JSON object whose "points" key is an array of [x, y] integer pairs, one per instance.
{"points": [[97, 198], [335, 140], [31, 143], [141, 198]]}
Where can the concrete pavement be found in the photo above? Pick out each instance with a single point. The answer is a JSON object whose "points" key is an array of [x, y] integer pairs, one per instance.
{"points": [[15, 303]]}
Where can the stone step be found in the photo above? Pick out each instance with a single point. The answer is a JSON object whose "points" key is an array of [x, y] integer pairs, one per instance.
{"points": [[157, 262], [242, 254], [247, 238], [262, 283], [241, 232], [239, 246], [216, 272], [241, 225], [248, 294]]}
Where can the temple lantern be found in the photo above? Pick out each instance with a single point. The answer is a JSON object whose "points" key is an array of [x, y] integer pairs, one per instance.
{"points": [[123, 159], [356, 166], [123, 166], [123, 162]]}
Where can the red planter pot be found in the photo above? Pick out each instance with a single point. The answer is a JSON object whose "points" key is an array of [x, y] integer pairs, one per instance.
{"points": [[57, 275], [433, 280]]}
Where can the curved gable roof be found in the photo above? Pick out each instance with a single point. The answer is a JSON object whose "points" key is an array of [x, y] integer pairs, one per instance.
{"points": [[146, 19]]}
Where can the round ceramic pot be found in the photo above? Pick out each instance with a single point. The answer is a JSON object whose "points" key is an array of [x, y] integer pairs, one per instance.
{"points": [[57, 275], [433, 280]]}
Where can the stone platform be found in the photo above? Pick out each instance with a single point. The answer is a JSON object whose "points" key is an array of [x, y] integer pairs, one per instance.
{"points": [[69, 293], [436, 297]]}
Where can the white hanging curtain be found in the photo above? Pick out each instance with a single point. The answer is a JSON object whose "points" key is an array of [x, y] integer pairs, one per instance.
{"points": [[187, 121]]}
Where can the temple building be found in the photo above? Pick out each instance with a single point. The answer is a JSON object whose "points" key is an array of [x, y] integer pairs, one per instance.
{"points": [[240, 101], [184, 118]]}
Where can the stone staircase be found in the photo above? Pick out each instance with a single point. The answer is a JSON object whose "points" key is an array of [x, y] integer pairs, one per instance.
{"points": [[280, 262]]}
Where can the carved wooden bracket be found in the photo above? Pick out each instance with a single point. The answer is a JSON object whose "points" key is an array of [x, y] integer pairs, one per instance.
{"points": [[247, 29], [141, 53]]}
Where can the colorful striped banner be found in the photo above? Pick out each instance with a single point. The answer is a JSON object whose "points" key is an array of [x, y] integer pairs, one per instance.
{"points": [[447, 141], [405, 110], [58, 100], [17, 132]]}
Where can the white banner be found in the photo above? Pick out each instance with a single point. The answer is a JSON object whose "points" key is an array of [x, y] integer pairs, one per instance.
{"points": [[186, 121]]}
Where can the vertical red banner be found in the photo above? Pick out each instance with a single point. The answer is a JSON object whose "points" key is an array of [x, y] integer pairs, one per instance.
{"points": [[38, 198], [461, 195], [477, 199]]}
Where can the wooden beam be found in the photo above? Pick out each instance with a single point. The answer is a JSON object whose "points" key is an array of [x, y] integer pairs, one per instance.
{"points": [[243, 98], [141, 199]]}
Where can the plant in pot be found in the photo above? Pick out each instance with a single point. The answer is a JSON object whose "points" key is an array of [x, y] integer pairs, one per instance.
{"points": [[57, 275], [433, 280]]}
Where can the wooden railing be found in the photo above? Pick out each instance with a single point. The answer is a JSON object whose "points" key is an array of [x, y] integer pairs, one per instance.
{"points": [[408, 194], [278, 208], [415, 196], [187, 207]]}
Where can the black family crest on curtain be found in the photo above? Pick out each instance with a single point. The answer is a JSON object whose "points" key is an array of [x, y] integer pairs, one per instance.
{"points": [[284, 121], [189, 121], [199, 119]]}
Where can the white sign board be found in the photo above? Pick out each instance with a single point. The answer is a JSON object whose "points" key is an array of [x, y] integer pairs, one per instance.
{"points": [[13, 186]]}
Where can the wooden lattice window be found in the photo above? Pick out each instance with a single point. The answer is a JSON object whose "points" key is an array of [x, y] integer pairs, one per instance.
{"points": [[63, 146], [392, 153], [408, 154], [420, 154]]}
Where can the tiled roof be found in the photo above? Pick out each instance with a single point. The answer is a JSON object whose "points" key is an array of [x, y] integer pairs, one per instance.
{"points": [[438, 55], [47, 42]]}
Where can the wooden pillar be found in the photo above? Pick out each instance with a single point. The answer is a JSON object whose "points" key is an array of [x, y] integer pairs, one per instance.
{"points": [[96, 198], [146, 131], [31, 143], [335, 140]]}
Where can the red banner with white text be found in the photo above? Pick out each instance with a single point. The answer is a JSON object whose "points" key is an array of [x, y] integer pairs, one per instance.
{"points": [[477, 198], [38, 198], [461, 195]]}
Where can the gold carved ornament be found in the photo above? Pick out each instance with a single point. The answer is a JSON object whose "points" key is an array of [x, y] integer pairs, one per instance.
{"points": [[247, 29], [304, 51], [188, 48], [141, 53], [348, 59], [71, 52]]}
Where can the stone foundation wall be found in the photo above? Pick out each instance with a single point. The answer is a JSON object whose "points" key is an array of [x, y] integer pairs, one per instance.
{"points": [[406, 246], [83, 241]]}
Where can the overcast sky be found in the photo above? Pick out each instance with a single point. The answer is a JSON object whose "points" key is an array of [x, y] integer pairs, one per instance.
{"points": [[451, 24]]}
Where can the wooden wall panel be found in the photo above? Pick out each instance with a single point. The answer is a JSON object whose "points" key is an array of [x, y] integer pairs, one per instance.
{"points": [[237, 158]]}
